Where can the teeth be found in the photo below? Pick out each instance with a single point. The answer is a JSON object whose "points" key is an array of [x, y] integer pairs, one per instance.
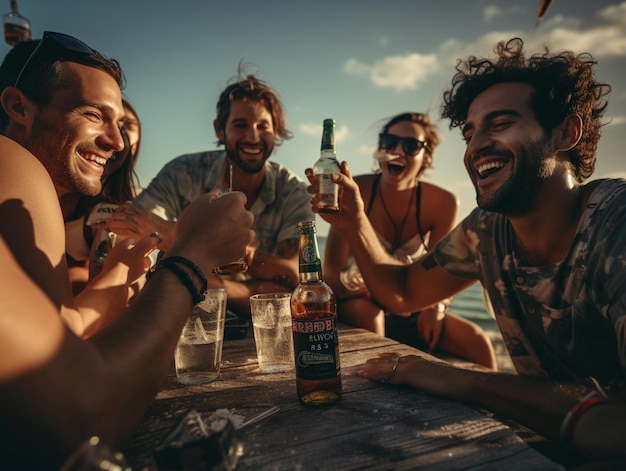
{"points": [[251, 150], [483, 168], [95, 158]]}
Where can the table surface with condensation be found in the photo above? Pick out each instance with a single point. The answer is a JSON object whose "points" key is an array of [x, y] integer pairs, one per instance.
{"points": [[374, 426]]}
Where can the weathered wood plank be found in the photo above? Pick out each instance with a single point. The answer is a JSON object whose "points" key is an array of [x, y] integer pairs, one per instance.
{"points": [[372, 427]]}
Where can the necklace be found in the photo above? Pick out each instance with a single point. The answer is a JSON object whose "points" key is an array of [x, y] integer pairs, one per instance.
{"points": [[397, 231]]}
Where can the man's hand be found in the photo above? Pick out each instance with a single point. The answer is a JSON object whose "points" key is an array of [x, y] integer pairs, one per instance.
{"points": [[130, 220], [213, 232]]}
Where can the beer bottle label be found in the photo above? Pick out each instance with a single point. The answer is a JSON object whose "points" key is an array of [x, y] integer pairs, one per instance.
{"points": [[315, 345]]}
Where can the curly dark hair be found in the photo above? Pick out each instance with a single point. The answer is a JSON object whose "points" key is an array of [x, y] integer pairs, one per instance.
{"points": [[430, 129], [564, 84], [252, 89], [44, 76]]}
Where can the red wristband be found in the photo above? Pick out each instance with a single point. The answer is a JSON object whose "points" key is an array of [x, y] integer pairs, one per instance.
{"points": [[575, 413]]}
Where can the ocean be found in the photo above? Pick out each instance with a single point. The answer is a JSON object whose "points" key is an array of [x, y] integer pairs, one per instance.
{"points": [[468, 303]]}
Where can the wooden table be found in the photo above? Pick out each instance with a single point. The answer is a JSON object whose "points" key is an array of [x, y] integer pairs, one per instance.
{"points": [[374, 426]]}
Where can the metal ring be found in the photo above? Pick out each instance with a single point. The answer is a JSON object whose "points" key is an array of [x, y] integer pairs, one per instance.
{"points": [[387, 379]]}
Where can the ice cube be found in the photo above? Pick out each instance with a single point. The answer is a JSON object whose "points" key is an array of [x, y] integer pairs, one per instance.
{"points": [[200, 332]]}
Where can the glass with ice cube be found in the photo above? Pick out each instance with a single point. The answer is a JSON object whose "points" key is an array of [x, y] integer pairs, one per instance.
{"points": [[271, 322], [199, 350]]}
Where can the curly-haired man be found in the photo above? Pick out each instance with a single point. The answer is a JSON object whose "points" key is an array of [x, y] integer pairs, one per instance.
{"points": [[548, 249]]}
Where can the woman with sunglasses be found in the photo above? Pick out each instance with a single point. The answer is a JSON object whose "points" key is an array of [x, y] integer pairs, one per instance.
{"points": [[409, 216]]}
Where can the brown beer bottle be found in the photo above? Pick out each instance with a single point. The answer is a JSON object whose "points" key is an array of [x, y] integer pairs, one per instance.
{"points": [[326, 165], [314, 324]]}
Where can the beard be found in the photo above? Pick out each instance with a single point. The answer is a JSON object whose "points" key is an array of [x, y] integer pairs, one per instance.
{"points": [[518, 195], [59, 160], [247, 167]]}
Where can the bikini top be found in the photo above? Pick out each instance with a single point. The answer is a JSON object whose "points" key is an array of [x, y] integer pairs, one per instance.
{"points": [[415, 246]]}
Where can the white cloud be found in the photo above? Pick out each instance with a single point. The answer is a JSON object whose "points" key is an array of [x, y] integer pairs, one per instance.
{"points": [[315, 130], [309, 129], [366, 150], [396, 72], [603, 35], [490, 12]]}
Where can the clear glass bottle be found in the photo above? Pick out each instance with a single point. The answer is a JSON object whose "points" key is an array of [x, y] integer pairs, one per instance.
{"points": [[326, 165], [16, 27], [314, 323]]}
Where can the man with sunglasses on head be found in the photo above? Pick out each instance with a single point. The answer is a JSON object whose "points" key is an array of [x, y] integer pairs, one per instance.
{"points": [[60, 119], [548, 249]]}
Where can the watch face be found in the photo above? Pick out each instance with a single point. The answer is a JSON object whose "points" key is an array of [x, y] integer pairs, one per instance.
{"points": [[308, 254]]}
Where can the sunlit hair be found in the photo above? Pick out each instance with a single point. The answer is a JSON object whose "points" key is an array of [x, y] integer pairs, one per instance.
{"points": [[251, 89], [431, 133], [45, 75], [563, 83]]}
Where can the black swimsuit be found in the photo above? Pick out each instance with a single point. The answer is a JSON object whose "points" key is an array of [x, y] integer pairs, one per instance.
{"points": [[403, 328]]}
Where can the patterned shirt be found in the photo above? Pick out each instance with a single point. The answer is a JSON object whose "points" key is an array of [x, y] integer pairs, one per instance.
{"points": [[282, 203], [566, 321]]}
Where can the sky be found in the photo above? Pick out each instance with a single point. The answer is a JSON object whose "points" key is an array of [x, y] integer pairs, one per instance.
{"points": [[357, 61]]}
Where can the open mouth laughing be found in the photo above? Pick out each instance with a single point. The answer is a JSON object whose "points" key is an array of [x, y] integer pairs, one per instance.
{"points": [[487, 169], [94, 160], [395, 167]]}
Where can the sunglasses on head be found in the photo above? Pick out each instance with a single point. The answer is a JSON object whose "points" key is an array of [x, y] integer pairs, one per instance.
{"points": [[63, 43], [410, 145]]}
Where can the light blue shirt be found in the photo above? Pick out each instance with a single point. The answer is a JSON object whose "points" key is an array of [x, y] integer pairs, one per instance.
{"points": [[282, 203]]}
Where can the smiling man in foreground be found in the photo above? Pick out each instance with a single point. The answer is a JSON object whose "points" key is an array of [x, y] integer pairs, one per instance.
{"points": [[548, 249]]}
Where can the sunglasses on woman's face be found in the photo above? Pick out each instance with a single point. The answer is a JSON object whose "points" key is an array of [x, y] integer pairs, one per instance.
{"points": [[410, 145], [60, 41]]}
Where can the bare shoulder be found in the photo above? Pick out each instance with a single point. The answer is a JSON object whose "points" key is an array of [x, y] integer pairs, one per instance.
{"points": [[440, 196], [20, 171], [440, 209], [365, 182], [30, 215]]}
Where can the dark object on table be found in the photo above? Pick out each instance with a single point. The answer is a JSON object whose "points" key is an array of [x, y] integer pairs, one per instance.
{"points": [[235, 327], [197, 445]]}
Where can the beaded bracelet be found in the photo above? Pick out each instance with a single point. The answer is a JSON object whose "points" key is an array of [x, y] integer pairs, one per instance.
{"points": [[575, 413], [189, 264], [197, 296]]}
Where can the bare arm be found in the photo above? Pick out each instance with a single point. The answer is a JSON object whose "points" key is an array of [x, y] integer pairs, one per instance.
{"points": [[102, 386], [281, 267], [106, 295], [537, 403], [335, 257], [399, 288]]}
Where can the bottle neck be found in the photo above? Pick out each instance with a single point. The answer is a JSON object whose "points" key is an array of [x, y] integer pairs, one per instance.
{"points": [[14, 9], [309, 263], [310, 277], [328, 153]]}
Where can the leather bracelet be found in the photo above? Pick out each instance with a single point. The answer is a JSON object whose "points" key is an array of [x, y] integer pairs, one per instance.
{"points": [[183, 276], [189, 264]]}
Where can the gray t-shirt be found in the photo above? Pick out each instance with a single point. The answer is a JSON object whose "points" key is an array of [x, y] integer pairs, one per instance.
{"points": [[566, 321], [282, 203]]}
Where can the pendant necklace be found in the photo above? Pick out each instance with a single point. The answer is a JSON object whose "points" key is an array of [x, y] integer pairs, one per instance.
{"points": [[397, 231]]}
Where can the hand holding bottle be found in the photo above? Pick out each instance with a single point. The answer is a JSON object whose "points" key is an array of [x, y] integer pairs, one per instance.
{"points": [[350, 200]]}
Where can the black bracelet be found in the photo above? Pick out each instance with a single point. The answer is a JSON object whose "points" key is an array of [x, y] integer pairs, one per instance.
{"points": [[189, 264], [183, 276]]}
